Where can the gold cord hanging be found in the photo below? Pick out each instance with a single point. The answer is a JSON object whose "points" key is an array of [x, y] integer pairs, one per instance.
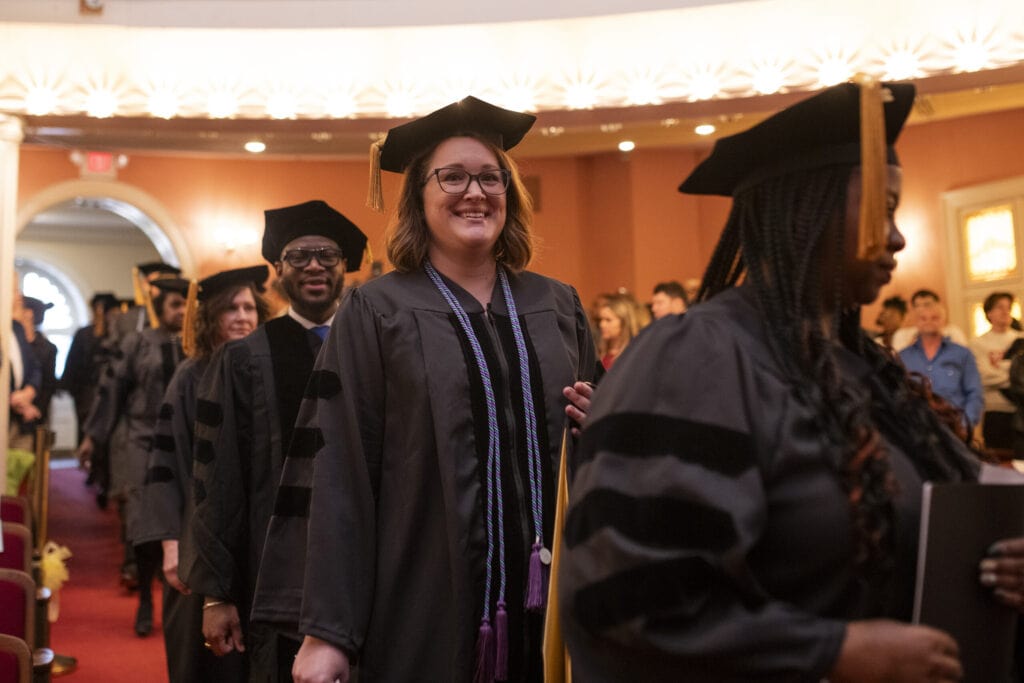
{"points": [[140, 298], [375, 196], [871, 237], [368, 254], [188, 328]]}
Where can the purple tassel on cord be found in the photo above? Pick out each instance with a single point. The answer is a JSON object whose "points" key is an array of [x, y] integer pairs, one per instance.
{"points": [[536, 585], [484, 653], [501, 643]]}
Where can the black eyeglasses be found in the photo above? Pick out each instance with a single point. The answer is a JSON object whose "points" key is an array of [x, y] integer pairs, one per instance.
{"points": [[454, 180], [328, 257]]}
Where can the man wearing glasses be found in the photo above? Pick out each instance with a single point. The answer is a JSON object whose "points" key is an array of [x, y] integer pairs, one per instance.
{"points": [[247, 404]]}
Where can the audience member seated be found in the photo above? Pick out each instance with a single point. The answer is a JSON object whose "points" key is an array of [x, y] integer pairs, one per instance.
{"points": [[890, 318], [990, 353], [669, 299], [948, 366], [621, 319], [905, 336]]}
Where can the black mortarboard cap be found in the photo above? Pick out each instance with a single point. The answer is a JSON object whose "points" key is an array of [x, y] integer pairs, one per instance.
{"points": [[38, 307], [469, 116], [254, 275], [823, 130], [178, 285], [158, 267], [504, 127], [108, 299], [312, 218]]}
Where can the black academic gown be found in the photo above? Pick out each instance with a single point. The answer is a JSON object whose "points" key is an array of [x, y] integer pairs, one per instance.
{"points": [[46, 355], [394, 570], [708, 536], [82, 372], [245, 412], [31, 376], [130, 394], [166, 507]]}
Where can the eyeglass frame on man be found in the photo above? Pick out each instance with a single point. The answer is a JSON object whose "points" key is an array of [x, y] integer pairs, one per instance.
{"points": [[503, 173], [319, 253]]}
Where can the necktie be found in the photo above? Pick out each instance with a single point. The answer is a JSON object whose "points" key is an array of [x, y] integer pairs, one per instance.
{"points": [[321, 331]]}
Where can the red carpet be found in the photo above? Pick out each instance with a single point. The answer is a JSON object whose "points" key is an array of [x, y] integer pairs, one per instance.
{"points": [[97, 616]]}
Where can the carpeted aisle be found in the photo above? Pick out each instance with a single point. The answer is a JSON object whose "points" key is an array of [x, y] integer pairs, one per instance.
{"points": [[96, 614]]}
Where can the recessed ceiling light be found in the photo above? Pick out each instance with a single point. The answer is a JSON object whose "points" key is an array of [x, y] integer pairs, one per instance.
{"points": [[627, 146], [704, 129], [255, 146]]}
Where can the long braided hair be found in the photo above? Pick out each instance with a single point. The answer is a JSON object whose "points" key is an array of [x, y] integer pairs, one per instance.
{"points": [[777, 237]]}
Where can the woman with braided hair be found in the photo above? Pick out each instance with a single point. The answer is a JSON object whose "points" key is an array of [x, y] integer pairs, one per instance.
{"points": [[745, 499]]}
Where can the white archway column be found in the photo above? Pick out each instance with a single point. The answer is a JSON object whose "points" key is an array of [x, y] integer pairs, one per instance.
{"points": [[11, 134]]}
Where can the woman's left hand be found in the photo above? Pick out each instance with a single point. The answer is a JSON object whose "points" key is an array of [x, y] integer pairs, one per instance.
{"points": [[1003, 572], [579, 395]]}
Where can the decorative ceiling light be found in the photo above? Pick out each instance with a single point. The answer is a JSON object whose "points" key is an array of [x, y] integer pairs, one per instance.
{"points": [[643, 89], [40, 100], [163, 103], [704, 129], [834, 70], [321, 136], [611, 127], [400, 104], [972, 54], [341, 105], [101, 103], [552, 131], [255, 146], [222, 104], [519, 96], [704, 85], [670, 123], [281, 105], [580, 96], [627, 146], [768, 78], [901, 64]]}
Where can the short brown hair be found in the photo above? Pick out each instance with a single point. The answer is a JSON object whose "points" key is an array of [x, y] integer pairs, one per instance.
{"points": [[207, 329], [408, 235]]}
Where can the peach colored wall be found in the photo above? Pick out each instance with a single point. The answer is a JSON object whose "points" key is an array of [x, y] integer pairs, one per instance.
{"points": [[605, 221], [936, 158]]}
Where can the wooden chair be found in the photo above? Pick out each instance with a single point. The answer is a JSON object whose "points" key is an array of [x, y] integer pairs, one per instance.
{"points": [[18, 548], [39, 488], [15, 660], [18, 614], [16, 509]]}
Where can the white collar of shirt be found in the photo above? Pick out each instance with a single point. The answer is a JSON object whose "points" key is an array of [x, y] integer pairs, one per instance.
{"points": [[305, 322]]}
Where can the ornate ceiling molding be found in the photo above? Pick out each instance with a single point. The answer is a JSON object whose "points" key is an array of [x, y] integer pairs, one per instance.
{"points": [[695, 54]]}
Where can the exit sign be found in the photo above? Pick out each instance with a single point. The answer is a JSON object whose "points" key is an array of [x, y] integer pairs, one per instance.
{"points": [[99, 162]]}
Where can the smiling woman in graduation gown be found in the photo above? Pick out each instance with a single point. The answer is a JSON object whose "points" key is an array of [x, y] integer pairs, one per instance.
{"points": [[429, 504]]}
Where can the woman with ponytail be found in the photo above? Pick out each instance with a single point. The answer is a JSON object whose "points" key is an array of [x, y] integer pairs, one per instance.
{"points": [[745, 502]]}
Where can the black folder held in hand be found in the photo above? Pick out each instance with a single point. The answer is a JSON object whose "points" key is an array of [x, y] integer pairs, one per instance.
{"points": [[959, 522]]}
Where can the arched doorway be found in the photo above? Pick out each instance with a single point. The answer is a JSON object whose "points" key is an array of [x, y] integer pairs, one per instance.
{"points": [[79, 238]]}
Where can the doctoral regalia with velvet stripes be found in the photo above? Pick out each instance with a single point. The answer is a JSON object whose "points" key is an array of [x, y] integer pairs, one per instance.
{"points": [[245, 414]]}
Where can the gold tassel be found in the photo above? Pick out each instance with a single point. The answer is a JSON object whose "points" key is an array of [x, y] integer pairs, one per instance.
{"points": [[557, 665], [140, 298], [368, 254], [188, 328], [375, 196], [872, 230], [154, 319]]}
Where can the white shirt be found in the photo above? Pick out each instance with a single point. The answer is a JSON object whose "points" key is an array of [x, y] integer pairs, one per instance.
{"points": [[994, 377], [307, 323]]}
